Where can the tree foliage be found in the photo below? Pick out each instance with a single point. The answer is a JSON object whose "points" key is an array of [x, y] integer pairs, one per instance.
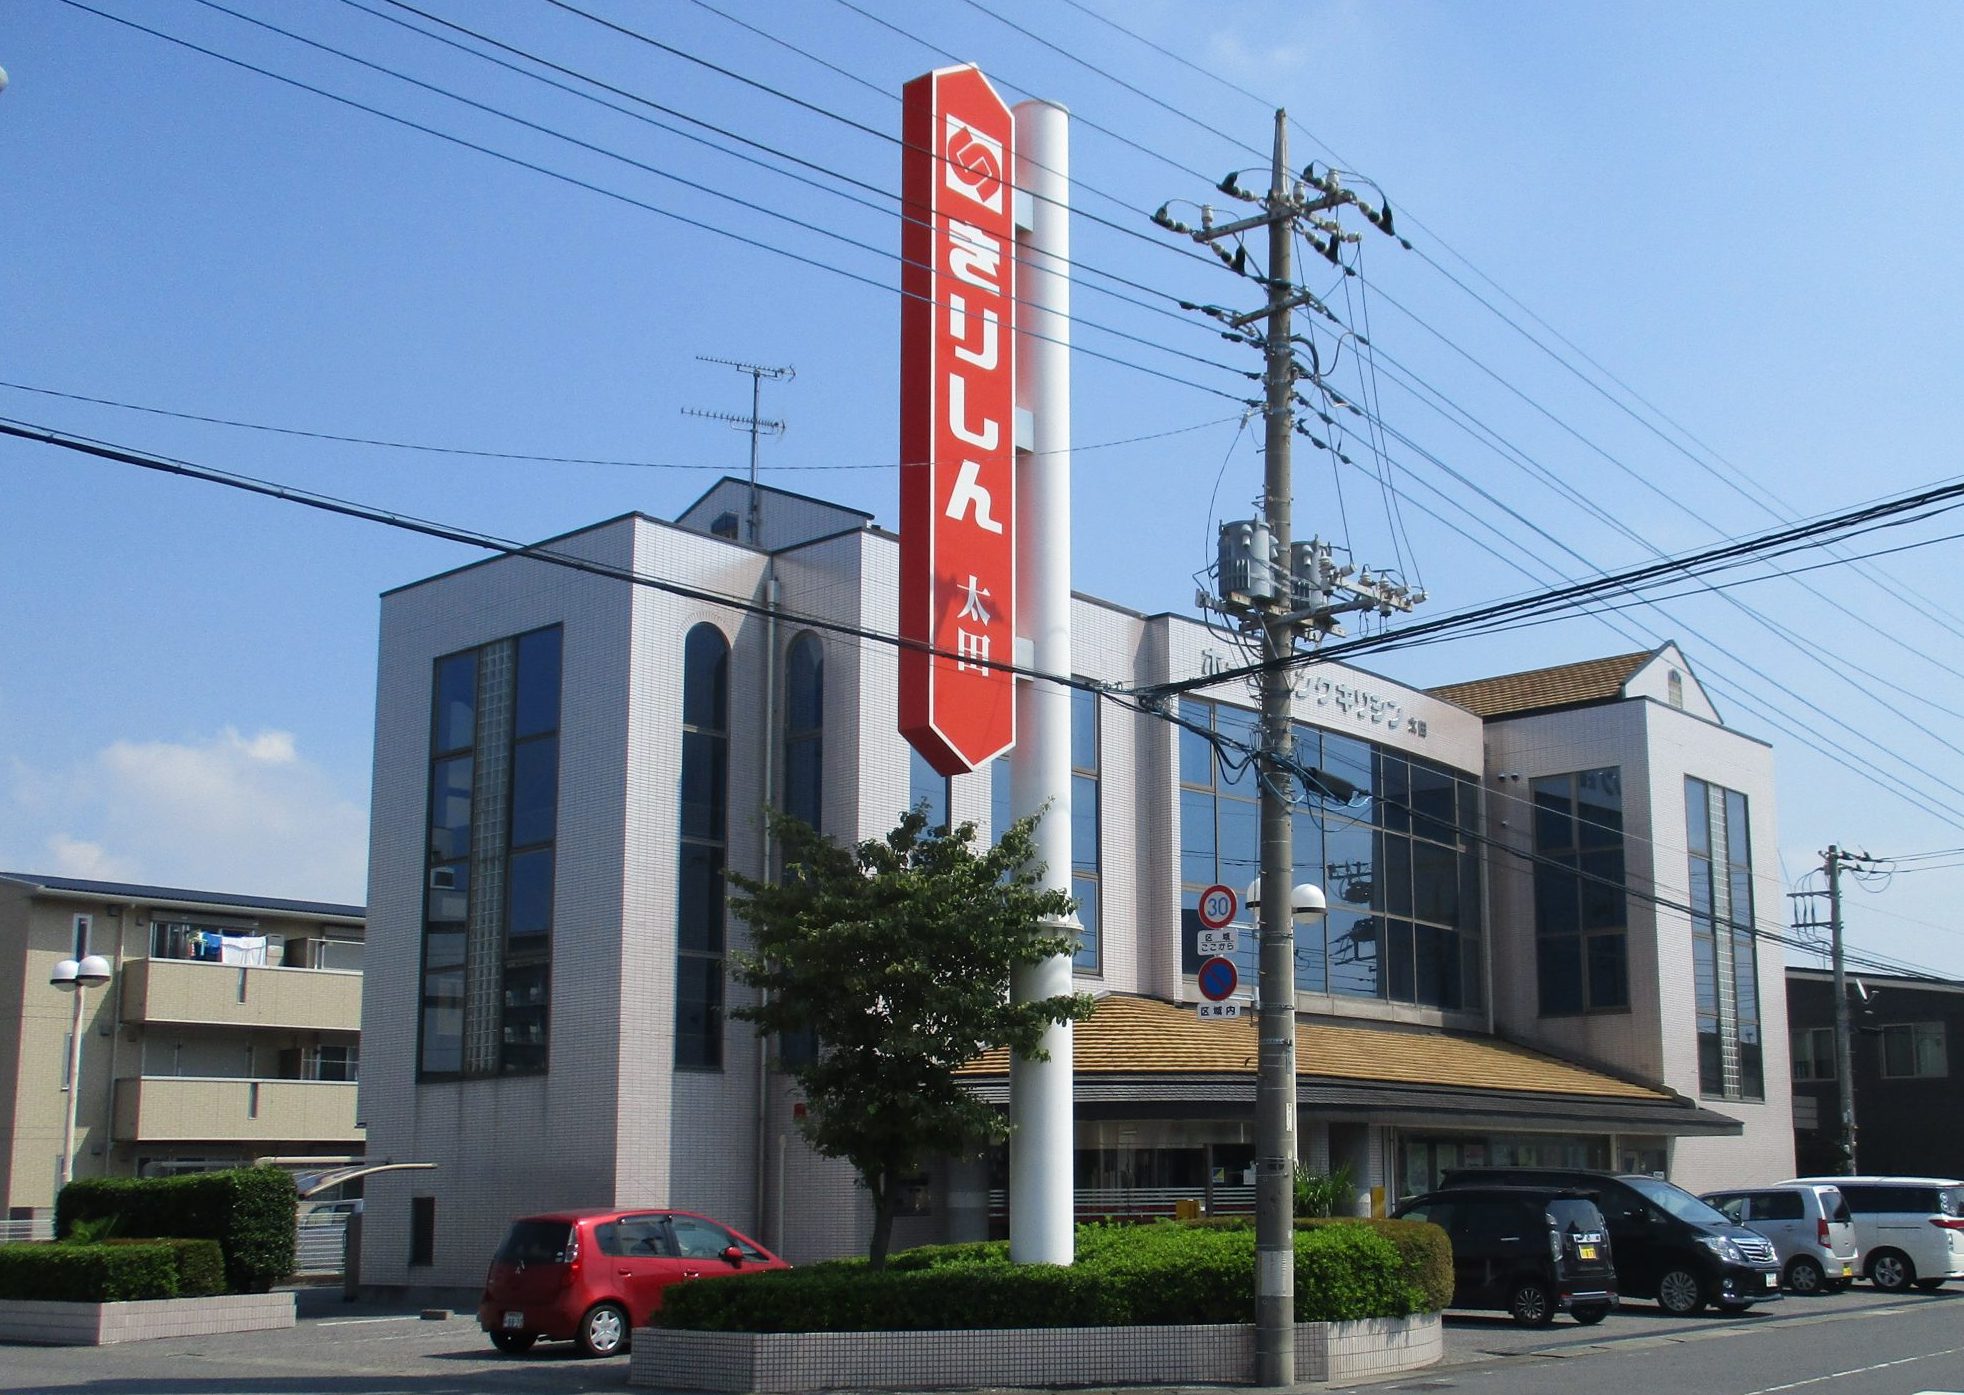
{"points": [[896, 955]]}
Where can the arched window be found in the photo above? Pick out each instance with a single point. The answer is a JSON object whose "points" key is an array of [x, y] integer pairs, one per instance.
{"points": [[704, 849], [804, 729], [1674, 685]]}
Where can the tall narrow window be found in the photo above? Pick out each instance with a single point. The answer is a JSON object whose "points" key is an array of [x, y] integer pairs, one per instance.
{"points": [[804, 729], [422, 1230], [1084, 827], [493, 826], [1580, 907], [704, 848], [1723, 953]]}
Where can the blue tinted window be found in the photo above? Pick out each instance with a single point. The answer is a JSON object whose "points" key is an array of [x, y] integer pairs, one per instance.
{"points": [[529, 886], [454, 718], [706, 679], [536, 699], [534, 791]]}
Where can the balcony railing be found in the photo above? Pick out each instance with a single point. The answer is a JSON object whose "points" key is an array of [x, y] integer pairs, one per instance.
{"points": [[196, 991], [190, 1109]]}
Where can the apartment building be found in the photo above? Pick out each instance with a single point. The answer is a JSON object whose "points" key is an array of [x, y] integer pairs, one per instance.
{"points": [[229, 1029]]}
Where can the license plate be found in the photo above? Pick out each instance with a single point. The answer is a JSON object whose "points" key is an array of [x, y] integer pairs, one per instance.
{"points": [[1847, 1271], [514, 1320], [1772, 1280], [1586, 1251]]}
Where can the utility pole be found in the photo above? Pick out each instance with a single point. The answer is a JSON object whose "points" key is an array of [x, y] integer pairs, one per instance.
{"points": [[1279, 591], [754, 423], [1844, 1044]]}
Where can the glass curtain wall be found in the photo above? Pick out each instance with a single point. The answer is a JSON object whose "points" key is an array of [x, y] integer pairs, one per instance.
{"points": [[1390, 839], [1723, 953]]}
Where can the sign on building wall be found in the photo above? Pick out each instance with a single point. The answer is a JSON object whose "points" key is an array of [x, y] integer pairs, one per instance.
{"points": [[957, 420]]}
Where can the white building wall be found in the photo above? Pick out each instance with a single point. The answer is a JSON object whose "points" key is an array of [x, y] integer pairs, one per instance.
{"points": [[502, 1147], [1681, 745], [1561, 743]]}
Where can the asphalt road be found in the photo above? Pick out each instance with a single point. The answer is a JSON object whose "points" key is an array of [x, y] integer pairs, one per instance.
{"points": [[1856, 1343]]}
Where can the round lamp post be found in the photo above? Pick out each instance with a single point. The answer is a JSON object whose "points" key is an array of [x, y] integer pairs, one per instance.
{"points": [[72, 976]]}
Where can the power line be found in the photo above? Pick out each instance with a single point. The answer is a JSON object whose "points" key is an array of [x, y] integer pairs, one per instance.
{"points": [[618, 196], [557, 459]]}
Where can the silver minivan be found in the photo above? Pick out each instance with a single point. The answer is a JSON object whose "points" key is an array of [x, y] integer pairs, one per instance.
{"points": [[1911, 1229], [1810, 1226]]}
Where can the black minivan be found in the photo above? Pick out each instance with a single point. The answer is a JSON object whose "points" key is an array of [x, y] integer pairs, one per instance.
{"points": [[1530, 1251], [1670, 1246]]}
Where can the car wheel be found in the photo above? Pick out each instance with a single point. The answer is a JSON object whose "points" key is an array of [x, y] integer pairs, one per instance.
{"points": [[1891, 1271], [1805, 1275], [1929, 1285], [1531, 1304], [512, 1343], [1589, 1314], [1679, 1293], [603, 1331]]}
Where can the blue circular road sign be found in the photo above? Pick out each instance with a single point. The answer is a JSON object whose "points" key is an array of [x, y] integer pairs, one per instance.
{"points": [[1217, 979]]}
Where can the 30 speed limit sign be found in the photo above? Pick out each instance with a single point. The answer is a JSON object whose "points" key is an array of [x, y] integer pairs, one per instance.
{"points": [[1217, 907]]}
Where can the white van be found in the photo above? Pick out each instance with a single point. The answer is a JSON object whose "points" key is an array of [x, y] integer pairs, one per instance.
{"points": [[1810, 1226], [1911, 1229]]}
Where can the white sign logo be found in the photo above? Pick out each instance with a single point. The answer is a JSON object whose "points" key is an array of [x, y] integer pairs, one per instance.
{"points": [[974, 164]]}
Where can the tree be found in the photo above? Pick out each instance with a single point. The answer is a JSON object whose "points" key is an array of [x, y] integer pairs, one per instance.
{"points": [[896, 954]]}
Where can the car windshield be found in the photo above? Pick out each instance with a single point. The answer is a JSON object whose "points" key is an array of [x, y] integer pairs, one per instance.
{"points": [[1677, 1201]]}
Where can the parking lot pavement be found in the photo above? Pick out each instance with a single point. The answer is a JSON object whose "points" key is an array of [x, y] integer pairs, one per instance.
{"points": [[366, 1349], [1474, 1336]]}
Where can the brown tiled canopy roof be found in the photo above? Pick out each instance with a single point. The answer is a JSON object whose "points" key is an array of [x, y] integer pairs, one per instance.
{"points": [[1564, 685], [1142, 1036]]}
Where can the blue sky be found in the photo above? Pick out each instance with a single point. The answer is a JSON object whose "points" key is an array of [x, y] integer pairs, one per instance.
{"points": [[1745, 213]]}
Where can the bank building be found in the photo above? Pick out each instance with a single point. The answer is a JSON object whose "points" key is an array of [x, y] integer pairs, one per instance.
{"points": [[1538, 949]]}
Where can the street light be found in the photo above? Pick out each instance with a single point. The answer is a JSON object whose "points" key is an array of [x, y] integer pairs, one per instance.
{"points": [[1307, 898], [72, 976]]}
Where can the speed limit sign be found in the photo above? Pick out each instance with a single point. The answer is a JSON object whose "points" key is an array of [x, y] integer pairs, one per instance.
{"points": [[1217, 907]]}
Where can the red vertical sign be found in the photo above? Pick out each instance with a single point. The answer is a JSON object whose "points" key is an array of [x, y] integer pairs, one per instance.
{"points": [[957, 420]]}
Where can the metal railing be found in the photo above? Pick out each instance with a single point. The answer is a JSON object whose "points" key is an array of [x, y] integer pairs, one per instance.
{"points": [[15, 1232]]}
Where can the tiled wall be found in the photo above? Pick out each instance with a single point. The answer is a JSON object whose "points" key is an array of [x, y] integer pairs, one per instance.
{"points": [[801, 1361]]}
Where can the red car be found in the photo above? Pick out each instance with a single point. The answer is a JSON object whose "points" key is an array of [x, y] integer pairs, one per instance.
{"points": [[593, 1276]]}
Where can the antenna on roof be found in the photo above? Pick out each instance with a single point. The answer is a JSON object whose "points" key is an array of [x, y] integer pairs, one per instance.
{"points": [[752, 423]]}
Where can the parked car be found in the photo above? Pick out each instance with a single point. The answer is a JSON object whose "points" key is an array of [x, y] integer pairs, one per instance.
{"points": [[1669, 1245], [1910, 1229], [1529, 1251], [593, 1276], [1812, 1231]]}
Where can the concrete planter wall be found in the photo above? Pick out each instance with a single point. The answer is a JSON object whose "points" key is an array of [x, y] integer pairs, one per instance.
{"points": [[779, 1362], [100, 1324]]}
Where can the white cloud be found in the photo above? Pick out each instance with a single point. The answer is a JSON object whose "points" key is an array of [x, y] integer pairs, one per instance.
{"points": [[233, 812]]}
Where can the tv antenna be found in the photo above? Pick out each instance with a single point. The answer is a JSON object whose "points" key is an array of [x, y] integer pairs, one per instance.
{"points": [[756, 425]]}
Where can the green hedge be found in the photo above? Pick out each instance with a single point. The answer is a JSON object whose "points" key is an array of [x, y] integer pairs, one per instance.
{"points": [[249, 1211], [1123, 1275], [105, 1273], [200, 1265]]}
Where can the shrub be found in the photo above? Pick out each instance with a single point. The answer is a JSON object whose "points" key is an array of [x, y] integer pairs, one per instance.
{"points": [[1324, 1194], [200, 1265], [1154, 1274], [249, 1211], [88, 1273], [1427, 1256]]}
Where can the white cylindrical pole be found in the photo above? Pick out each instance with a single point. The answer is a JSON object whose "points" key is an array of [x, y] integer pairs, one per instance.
{"points": [[74, 1086], [1042, 1203]]}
